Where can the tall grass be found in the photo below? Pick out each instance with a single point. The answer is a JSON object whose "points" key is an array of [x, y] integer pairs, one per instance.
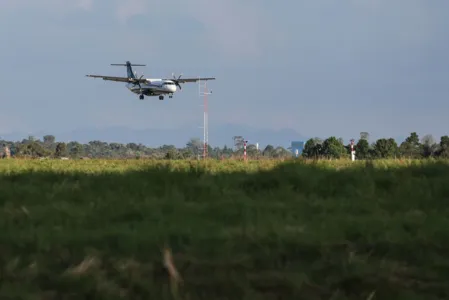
{"points": [[142, 229]]}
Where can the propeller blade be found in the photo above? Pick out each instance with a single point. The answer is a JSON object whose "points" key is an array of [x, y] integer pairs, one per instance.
{"points": [[176, 80], [138, 82]]}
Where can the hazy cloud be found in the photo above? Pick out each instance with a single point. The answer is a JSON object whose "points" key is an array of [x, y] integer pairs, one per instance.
{"points": [[234, 28], [54, 6], [130, 8]]}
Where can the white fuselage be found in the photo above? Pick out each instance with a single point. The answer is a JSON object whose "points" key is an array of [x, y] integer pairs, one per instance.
{"points": [[153, 87]]}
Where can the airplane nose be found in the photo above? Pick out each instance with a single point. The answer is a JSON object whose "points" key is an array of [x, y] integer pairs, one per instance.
{"points": [[173, 88]]}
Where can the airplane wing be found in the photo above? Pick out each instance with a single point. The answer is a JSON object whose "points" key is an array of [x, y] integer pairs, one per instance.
{"points": [[119, 79], [184, 80]]}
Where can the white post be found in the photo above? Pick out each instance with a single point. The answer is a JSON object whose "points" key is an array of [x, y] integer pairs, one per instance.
{"points": [[244, 150], [352, 150]]}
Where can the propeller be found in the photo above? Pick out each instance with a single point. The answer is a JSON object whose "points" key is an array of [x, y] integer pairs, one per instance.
{"points": [[138, 82], [176, 80]]}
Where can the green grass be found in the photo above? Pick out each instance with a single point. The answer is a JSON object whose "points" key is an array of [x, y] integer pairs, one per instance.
{"points": [[96, 229]]}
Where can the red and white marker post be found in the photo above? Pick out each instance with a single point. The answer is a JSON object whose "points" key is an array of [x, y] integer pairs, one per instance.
{"points": [[352, 150], [244, 150]]}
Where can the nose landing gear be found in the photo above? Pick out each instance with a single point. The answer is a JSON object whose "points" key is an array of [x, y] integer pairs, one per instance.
{"points": [[141, 96]]}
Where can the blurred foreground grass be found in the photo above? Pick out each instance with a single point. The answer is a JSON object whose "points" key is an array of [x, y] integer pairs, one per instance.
{"points": [[97, 229]]}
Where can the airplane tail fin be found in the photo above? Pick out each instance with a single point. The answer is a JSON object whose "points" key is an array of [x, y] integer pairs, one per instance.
{"points": [[129, 68]]}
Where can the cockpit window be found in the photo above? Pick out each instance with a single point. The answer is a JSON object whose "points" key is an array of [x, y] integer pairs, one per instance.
{"points": [[169, 83]]}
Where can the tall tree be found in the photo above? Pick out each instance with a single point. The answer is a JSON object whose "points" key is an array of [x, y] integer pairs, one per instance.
{"points": [[281, 152], [49, 139], [252, 151], [333, 148], [362, 149], [385, 148], [195, 146], [61, 150], [268, 151], [313, 148], [429, 146], [443, 150], [411, 147], [76, 149]]}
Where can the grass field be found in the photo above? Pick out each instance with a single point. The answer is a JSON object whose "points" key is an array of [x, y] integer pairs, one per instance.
{"points": [[97, 229]]}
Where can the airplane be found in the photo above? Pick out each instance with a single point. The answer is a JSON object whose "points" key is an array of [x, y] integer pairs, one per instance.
{"points": [[148, 86]]}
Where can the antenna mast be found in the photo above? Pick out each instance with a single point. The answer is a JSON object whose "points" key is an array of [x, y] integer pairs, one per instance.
{"points": [[204, 93]]}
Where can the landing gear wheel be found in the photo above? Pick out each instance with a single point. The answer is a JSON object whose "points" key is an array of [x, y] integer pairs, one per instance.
{"points": [[161, 97], [141, 97]]}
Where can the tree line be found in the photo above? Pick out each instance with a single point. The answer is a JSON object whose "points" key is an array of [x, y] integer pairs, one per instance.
{"points": [[48, 147], [413, 147], [314, 148]]}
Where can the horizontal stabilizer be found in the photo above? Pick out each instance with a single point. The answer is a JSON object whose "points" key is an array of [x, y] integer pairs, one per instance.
{"points": [[134, 65]]}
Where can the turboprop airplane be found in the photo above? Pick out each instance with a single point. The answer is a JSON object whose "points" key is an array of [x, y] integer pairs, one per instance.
{"points": [[148, 86]]}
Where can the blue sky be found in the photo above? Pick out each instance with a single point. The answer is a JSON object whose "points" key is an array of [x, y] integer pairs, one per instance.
{"points": [[321, 67]]}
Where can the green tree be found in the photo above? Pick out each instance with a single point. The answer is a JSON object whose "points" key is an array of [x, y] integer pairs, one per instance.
{"points": [[443, 150], [76, 149], [385, 148], [185, 153], [49, 139], [333, 148], [195, 146], [281, 152], [132, 146], [268, 151], [227, 152], [362, 149], [33, 149], [172, 153], [252, 151], [61, 150], [312, 148], [411, 147], [429, 146]]}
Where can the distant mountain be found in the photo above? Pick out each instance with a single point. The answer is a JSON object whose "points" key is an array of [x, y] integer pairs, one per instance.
{"points": [[218, 135]]}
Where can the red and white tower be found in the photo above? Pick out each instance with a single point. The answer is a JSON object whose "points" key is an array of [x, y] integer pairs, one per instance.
{"points": [[352, 150], [244, 149], [204, 93]]}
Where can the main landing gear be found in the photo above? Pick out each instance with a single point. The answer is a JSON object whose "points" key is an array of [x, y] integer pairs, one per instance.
{"points": [[141, 97], [161, 97]]}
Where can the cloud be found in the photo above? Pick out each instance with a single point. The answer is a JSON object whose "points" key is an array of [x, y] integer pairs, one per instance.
{"points": [[129, 8], [233, 28], [253, 30], [85, 4], [53, 6]]}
